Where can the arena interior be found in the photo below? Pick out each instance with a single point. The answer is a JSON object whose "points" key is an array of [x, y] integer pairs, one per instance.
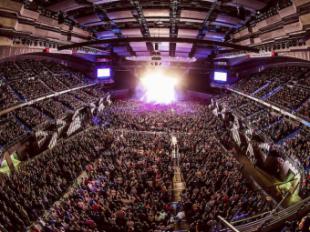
{"points": [[155, 115]]}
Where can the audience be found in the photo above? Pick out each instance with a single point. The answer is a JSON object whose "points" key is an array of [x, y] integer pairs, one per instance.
{"points": [[53, 109], [126, 190], [10, 130], [31, 116], [277, 130], [30, 79], [185, 117], [31, 89], [124, 161], [286, 87], [70, 101], [42, 180], [302, 225], [215, 186], [7, 97]]}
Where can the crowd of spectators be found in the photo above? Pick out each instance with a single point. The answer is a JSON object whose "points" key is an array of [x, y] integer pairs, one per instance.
{"points": [[69, 79], [263, 119], [42, 180], [281, 129], [299, 225], [10, 71], [86, 96], [182, 117], [304, 110], [248, 109], [52, 108], [270, 77], [70, 101], [274, 129], [10, 129], [216, 186], [264, 92], [53, 83], [290, 97], [299, 147], [31, 67], [31, 89], [7, 97], [31, 116], [286, 87], [95, 90], [25, 80], [128, 189]]}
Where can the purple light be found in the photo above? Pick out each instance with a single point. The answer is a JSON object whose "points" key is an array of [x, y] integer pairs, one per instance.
{"points": [[103, 73], [158, 88], [220, 76]]}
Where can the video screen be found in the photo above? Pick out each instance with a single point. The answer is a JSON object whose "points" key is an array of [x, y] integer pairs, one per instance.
{"points": [[220, 76], [103, 73]]}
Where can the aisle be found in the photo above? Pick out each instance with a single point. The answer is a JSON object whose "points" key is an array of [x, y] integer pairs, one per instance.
{"points": [[178, 187], [178, 184]]}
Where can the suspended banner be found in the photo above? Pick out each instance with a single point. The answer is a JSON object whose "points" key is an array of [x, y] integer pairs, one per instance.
{"points": [[101, 107], [75, 125], [53, 141], [41, 137], [236, 122], [236, 135], [217, 106], [92, 108], [265, 147], [101, 100], [250, 153], [249, 134], [212, 104], [109, 99], [215, 112], [76, 113], [60, 124]]}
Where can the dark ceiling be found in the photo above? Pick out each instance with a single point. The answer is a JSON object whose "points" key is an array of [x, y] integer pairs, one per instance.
{"points": [[211, 20]]}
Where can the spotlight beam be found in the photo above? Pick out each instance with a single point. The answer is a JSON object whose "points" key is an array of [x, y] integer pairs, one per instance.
{"points": [[158, 87]]}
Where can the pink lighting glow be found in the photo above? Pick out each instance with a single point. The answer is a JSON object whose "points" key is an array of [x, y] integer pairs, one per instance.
{"points": [[158, 88]]}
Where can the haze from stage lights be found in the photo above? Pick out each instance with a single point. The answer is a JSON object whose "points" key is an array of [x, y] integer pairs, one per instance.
{"points": [[158, 87]]}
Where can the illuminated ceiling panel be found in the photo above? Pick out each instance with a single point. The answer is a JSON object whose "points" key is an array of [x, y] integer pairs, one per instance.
{"points": [[159, 32], [156, 12], [134, 32], [184, 47], [120, 14], [138, 46], [193, 14], [187, 33]]}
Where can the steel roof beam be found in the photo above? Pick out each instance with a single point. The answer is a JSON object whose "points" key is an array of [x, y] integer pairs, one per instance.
{"points": [[143, 23], [115, 41], [205, 25], [174, 15]]}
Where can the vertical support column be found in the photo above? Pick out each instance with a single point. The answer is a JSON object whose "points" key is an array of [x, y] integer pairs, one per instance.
{"points": [[9, 161]]}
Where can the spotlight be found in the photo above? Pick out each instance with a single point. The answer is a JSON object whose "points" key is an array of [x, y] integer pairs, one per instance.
{"points": [[158, 87]]}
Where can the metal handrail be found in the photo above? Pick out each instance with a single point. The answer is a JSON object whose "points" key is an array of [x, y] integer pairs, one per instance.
{"points": [[275, 217], [249, 218], [229, 225]]}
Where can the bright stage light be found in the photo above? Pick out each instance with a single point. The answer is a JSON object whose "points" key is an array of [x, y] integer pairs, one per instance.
{"points": [[158, 88]]}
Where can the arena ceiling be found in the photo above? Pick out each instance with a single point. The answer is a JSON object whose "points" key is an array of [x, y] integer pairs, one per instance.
{"points": [[184, 28]]}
